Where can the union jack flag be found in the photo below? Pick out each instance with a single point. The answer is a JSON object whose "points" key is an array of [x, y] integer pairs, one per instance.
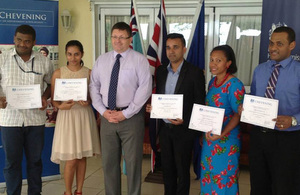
{"points": [[156, 53]]}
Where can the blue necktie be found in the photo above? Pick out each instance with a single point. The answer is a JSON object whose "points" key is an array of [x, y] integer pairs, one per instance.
{"points": [[270, 91], [112, 92]]}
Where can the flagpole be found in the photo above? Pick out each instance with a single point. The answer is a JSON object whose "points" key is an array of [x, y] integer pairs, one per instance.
{"points": [[139, 28], [195, 20]]}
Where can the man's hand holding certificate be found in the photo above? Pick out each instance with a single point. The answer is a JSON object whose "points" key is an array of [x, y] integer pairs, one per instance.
{"points": [[166, 106], [259, 111], [23, 97], [70, 89], [207, 118]]}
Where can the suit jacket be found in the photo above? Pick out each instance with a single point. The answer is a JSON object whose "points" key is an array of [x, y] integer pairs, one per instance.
{"points": [[190, 83]]}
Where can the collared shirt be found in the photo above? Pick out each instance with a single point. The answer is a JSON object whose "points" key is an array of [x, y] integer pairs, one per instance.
{"points": [[287, 89], [171, 81], [12, 74], [134, 83]]}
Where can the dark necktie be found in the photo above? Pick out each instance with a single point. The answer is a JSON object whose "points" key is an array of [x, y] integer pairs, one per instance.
{"points": [[112, 92], [270, 91]]}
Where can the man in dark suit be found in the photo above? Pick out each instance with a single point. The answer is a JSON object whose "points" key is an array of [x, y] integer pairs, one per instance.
{"points": [[176, 140]]}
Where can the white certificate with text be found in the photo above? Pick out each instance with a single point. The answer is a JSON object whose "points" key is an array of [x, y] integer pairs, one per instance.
{"points": [[23, 97], [70, 89], [166, 106], [259, 111], [207, 118]]}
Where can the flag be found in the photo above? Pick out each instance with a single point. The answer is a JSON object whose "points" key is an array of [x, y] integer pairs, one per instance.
{"points": [[136, 43], [195, 55], [196, 52], [156, 53]]}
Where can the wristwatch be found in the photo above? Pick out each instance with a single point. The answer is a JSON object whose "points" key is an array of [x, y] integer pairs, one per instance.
{"points": [[294, 121]]}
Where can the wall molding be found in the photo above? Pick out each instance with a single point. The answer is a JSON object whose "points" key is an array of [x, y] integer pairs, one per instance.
{"points": [[179, 3]]}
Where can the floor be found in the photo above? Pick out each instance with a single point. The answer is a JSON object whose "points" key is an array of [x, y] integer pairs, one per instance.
{"points": [[94, 184]]}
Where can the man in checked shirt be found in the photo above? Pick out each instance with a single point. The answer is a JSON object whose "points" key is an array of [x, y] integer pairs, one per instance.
{"points": [[23, 129]]}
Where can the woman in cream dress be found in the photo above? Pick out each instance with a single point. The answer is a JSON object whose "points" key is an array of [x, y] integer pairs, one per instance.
{"points": [[76, 134]]}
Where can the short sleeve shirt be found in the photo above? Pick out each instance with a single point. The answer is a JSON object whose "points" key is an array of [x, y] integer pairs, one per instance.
{"points": [[14, 71]]}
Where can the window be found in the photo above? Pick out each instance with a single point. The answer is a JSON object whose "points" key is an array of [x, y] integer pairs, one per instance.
{"points": [[110, 20], [238, 27], [109, 17]]}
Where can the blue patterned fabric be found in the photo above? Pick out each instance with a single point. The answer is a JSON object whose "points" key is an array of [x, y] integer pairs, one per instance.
{"points": [[220, 158]]}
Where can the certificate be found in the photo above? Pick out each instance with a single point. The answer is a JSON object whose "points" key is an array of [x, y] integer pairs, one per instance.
{"points": [[259, 111], [23, 97], [70, 89], [166, 106], [207, 118]]}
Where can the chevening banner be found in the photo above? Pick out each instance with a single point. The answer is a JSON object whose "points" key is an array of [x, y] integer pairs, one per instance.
{"points": [[41, 15], [279, 13]]}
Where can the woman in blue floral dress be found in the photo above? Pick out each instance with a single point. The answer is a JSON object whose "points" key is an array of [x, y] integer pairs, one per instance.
{"points": [[220, 153]]}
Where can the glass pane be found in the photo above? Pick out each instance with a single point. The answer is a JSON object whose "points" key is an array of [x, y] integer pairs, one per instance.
{"points": [[183, 25], [110, 20], [180, 24], [144, 25], [205, 43], [242, 33]]}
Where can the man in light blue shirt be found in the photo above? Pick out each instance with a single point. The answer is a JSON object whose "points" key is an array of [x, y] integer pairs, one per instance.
{"points": [[122, 127], [275, 153]]}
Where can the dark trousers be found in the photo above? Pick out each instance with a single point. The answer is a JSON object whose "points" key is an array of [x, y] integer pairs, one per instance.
{"points": [[14, 140], [274, 162], [176, 150]]}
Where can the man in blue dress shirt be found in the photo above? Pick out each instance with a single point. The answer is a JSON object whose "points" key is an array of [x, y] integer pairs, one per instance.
{"points": [[122, 125], [275, 153]]}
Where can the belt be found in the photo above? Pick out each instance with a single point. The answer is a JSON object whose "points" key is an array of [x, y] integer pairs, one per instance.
{"points": [[117, 108], [169, 125], [266, 130]]}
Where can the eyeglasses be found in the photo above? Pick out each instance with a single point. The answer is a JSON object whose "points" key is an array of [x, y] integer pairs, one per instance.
{"points": [[32, 64], [120, 38]]}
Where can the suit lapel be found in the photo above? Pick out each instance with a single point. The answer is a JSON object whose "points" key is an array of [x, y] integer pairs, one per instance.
{"points": [[181, 77]]}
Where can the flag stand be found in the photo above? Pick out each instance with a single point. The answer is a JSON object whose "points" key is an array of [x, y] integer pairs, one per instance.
{"points": [[155, 177]]}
